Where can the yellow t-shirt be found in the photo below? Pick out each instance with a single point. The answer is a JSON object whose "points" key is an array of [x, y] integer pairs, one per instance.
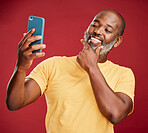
{"points": [[71, 105]]}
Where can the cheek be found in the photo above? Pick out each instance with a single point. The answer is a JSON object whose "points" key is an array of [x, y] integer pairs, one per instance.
{"points": [[90, 30], [109, 38]]}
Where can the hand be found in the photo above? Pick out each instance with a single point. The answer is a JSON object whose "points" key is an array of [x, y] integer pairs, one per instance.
{"points": [[88, 58], [25, 55]]}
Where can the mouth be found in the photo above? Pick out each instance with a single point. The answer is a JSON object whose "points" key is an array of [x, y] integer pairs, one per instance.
{"points": [[95, 41]]}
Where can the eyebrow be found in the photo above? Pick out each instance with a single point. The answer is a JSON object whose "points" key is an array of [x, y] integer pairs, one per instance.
{"points": [[110, 26], [96, 20]]}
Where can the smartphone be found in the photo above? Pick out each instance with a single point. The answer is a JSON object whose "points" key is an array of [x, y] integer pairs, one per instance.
{"points": [[37, 23]]}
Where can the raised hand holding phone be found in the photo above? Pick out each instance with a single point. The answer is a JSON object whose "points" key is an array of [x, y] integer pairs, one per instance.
{"points": [[30, 47]]}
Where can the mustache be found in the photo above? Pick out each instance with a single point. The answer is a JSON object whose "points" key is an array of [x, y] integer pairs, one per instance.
{"points": [[94, 34]]}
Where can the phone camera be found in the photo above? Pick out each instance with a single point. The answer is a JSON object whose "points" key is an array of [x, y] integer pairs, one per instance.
{"points": [[31, 18]]}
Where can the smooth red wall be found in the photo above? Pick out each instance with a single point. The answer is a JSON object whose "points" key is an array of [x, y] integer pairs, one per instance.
{"points": [[66, 21]]}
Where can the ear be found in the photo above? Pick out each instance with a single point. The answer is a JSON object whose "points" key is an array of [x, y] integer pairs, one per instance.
{"points": [[118, 41]]}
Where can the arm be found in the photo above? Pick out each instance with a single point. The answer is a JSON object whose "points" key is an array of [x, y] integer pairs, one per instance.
{"points": [[20, 92], [114, 106]]}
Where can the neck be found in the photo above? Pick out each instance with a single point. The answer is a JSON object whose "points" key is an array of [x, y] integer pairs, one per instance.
{"points": [[102, 59]]}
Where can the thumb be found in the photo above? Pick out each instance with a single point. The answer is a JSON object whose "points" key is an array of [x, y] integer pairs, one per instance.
{"points": [[98, 50], [24, 34]]}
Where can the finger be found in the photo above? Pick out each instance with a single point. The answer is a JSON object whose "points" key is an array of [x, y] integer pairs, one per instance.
{"points": [[33, 48], [36, 55], [24, 34], [86, 45], [29, 40], [98, 50], [28, 34], [78, 57]]}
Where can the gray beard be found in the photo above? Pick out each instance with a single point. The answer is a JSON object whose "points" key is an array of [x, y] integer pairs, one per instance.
{"points": [[106, 48]]}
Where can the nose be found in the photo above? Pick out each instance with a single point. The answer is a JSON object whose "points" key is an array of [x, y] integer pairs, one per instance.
{"points": [[98, 31]]}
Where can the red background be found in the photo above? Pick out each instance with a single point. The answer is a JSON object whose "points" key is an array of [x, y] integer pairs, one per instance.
{"points": [[66, 21]]}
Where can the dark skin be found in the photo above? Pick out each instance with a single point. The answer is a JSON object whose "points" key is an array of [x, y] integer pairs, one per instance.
{"points": [[20, 92], [114, 106]]}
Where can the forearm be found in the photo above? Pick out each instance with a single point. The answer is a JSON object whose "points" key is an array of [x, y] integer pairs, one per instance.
{"points": [[110, 105], [16, 90], [19, 92], [114, 106]]}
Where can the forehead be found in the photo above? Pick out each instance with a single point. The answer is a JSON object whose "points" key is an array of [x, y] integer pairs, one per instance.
{"points": [[108, 18]]}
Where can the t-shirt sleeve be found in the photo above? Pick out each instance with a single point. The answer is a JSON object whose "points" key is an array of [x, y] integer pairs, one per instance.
{"points": [[126, 83], [41, 74]]}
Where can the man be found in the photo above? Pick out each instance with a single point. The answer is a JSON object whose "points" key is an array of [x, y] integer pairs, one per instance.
{"points": [[86, 93]]}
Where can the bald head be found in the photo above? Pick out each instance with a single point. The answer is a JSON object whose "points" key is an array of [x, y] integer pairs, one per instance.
{"points": [[122, 21], [106, 29]]}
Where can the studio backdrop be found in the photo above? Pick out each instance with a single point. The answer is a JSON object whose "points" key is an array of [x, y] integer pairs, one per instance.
{"points": [[65, 24]]}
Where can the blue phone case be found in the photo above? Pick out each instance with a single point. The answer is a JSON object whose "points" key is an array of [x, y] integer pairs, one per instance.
{"points": [[38, 24]]}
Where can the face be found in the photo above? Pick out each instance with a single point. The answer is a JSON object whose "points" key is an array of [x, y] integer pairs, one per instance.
{"points": [[103, 30]]}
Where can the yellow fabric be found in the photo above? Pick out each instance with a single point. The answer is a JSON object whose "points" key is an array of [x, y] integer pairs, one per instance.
{"points": [[71, 105]]}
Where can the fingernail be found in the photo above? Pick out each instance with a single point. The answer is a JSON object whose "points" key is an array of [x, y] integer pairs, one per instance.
{"points": [[33, 29], [81, 40], [39, 37], [43, 45], [24, 34], [43, 53]]}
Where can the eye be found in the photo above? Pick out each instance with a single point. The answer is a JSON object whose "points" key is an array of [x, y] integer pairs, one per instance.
{"points": [[94, 25], [108, 31]]}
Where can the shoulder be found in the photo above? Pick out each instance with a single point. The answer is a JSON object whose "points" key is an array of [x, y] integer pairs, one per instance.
{"points": [[117, 66], [124, 71]]}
